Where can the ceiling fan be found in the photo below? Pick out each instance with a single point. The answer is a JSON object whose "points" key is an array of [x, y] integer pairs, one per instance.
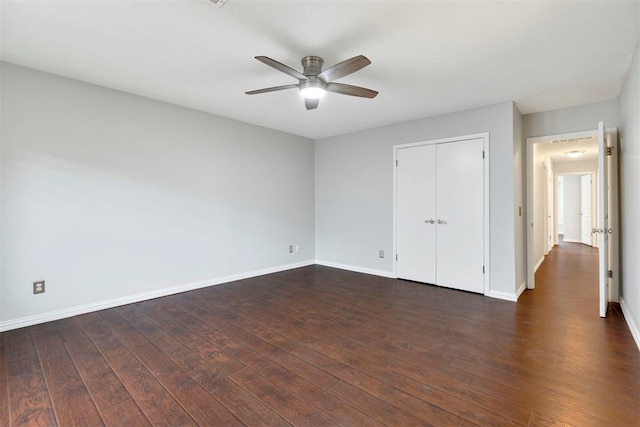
{"points": [[313, 82]]}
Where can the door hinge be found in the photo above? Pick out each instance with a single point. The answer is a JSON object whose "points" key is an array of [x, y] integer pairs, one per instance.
{"points": [[609, 151], [396, 257], [483, 269], [483, 154], [610, 274], [396, 163]]}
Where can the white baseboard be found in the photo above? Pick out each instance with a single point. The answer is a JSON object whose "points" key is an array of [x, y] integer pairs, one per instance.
{"points": [[538, 264], [572, 240], [373, 272], [503, 295], [633, 325], [116, 302], [493, 294]]}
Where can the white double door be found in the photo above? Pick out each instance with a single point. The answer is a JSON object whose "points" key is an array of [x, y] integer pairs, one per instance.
{"points": [[440, 214]]}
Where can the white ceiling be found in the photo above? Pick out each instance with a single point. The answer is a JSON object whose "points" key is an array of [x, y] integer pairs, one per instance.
{"points": [[557, 148], [428, 57]]}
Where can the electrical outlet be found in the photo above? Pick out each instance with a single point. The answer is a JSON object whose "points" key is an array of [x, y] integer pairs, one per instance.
{"points": [[381, 253], [38, 287], [290, 249]]}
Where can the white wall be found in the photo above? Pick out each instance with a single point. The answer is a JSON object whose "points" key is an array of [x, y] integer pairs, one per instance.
{"points": [[629, 133], [539, 159], [573, 119], [518, 200], [560, 205], [571, 203], [107, 195], [354, 190], [1, 193], [552, 232], [540, 202], [576, 166]]}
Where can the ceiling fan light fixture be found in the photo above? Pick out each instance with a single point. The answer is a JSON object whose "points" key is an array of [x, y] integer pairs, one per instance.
{"points": [[574, 154], [312, 90]]}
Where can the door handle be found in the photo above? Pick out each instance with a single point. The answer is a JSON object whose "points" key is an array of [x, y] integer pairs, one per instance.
{"points": [[429, 221], [442, 222]]}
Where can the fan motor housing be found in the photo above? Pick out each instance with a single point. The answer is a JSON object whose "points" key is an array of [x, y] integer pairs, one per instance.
{"points": [[312, 65]]}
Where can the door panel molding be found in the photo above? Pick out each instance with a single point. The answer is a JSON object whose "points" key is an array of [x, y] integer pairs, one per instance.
{"points": [[416, 175]]}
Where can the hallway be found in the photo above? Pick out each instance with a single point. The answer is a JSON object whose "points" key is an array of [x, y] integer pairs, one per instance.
{"points": [[569, 274], [570, 344]]}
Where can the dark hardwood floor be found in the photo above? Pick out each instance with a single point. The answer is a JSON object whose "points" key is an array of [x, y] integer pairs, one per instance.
{"points": [[319, 346]]}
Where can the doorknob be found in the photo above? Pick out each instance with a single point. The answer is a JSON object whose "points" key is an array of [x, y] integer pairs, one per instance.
{"points": [[441, 221], [594, 231], [429, 221]]}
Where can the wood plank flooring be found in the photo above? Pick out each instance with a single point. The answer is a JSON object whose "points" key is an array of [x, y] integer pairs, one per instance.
{"points": [[319, 346]]}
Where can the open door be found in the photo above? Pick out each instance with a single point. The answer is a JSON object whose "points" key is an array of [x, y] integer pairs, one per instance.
{"points": [[603, 220]]}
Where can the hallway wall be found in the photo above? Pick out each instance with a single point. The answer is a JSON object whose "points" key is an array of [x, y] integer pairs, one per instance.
{"points": [[630, 195], [541, 163]]}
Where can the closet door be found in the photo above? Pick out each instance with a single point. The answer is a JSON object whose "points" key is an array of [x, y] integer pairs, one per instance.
{"points": [[416, 213], [460, 215]]}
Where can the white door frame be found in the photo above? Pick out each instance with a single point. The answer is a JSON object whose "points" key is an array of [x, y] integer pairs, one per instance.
{"points": [[551, 207], [604, 286], [531, 263], [614, 206], [486, 234], [594, 197], [612, 136]]}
